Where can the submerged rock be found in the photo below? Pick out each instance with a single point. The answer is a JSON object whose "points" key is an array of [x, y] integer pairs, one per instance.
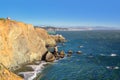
{"points": [[62, 54], [70, 52], [68, 55], [79, 52], [50, 57]]}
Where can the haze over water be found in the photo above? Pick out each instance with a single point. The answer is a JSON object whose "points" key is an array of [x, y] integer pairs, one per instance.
{"points": [[100, 59]]}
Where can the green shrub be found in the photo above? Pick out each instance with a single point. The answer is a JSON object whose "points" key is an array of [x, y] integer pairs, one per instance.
{"points": [[2, 19]]}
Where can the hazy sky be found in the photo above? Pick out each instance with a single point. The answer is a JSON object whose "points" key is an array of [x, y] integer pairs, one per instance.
{"points": [[63, 12]]}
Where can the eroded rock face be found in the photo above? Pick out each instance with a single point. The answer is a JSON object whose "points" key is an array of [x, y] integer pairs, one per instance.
{"points": [[21, 43]]}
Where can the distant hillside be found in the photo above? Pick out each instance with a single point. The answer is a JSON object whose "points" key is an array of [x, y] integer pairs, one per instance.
{"points": [[51, 28]]}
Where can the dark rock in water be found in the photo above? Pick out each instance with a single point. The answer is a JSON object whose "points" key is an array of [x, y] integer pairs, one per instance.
{"points": [[70, 52], [50, 57], [79, 52], [56, 54], [62, 54], [68, 55]]}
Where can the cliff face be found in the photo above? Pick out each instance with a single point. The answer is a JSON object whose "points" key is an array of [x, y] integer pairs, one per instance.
{"points": [[49, 40], [5, 74], [21, 43]]}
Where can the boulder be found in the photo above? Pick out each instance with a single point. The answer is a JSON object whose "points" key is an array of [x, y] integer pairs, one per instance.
{"points": [[50, 57], [62, 54]]}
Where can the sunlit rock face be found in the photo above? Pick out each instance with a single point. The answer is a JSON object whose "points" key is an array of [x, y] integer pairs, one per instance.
{"points": [[49, 40], [21, 43], [5, 74], [58, 38]]}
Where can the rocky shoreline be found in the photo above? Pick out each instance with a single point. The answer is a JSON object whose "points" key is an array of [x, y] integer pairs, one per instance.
{"points": [[21, 44], [38, 65]]}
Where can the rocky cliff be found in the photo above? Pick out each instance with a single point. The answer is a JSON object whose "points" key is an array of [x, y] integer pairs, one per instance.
{"points": [[5, 74], [21, 43]]}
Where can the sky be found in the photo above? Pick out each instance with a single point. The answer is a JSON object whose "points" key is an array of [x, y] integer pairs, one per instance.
{"points": [[63, 12]]}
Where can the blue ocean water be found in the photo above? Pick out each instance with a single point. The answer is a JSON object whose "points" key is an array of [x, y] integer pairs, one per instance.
{"points": [[100, 58]]}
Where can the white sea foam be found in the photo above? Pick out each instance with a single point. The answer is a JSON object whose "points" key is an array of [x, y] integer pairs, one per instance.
{"points": [[112, 67], [30, 75], [37, 62], [102, 54], [116, 67], [80, 46], [108, 67], [113, 55], [56, 61]]}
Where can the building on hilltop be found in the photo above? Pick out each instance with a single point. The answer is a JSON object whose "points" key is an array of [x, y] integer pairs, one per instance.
{"points": [[8, 18]]}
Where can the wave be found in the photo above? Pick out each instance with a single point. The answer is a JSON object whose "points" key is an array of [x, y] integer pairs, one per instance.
{"points": [[112, 55], [112, 67], [30, 75]]}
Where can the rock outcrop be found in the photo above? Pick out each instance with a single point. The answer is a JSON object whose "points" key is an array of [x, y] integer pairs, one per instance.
{"points": [[5, 74], [49, 40], [49, 57], [62, 54], [58, 38], [20, 43]]}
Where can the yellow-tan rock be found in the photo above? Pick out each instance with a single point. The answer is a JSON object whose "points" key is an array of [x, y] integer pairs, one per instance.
{"points": [[50, 41], [62, 54], [5, 74], [58, 38], [20, 43]]}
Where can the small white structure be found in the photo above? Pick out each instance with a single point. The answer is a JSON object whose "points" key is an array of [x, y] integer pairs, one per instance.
{"points": [[8, 18]]}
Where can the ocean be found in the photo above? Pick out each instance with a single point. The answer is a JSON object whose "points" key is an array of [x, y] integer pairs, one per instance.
{"points": [[100, 58]]}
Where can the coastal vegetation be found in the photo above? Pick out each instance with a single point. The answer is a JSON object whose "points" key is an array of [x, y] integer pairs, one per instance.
{"points": [[2, 19]]}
